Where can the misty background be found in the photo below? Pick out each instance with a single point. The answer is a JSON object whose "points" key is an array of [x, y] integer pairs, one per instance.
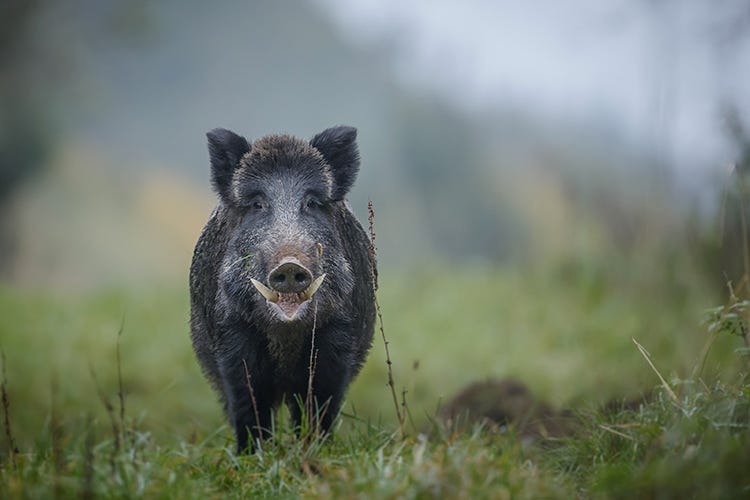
{"points": [[491, 133], [551, 180]]}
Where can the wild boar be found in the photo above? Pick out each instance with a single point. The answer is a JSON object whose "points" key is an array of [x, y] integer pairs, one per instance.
{"points": [[281, 270]]}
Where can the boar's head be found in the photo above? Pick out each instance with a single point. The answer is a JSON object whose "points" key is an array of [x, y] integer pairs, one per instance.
{"points": [[281, 198]]}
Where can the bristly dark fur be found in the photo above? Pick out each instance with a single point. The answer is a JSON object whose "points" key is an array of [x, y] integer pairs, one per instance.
{"points": [[280, 197], [338, 146], [225, 149]]}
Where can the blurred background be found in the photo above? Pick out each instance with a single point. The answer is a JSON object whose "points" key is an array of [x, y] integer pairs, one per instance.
{"points": [[550, 179]]}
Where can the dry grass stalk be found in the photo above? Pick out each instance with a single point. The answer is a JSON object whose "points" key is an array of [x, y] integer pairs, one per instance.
{"points": [[664, 383], [12, 449], [309, 406], [112, 419], [255, 406], [373, 277]]}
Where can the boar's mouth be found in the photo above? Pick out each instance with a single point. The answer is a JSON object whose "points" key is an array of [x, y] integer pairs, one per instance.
{"points": [[289, 304]]}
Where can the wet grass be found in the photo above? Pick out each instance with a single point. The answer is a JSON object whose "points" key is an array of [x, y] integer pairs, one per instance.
{"points": [[567, 332]]}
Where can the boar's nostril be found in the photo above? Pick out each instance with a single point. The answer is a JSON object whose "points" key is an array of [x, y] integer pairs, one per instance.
{"points": [[290, 278]]}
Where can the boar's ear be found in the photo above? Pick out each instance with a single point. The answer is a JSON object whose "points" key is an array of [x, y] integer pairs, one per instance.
{"points": [[225, 148], [338, 145]]}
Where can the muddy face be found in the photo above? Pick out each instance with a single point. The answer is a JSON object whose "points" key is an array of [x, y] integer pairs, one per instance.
{"points": [[283, 255]]}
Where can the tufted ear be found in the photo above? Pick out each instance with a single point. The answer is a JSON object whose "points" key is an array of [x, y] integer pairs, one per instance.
{"points": [[338, 145], [225, 149]]}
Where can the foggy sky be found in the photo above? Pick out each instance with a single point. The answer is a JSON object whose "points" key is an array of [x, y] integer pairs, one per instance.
{"points": [[662, 72]]}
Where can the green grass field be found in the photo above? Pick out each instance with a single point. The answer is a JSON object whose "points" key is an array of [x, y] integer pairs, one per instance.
{"points": [[566, 332]]}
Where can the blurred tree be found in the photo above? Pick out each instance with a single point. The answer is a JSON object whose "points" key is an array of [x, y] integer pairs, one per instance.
{"points": [[23, 130], [734, 254], [729, 34], [39, 40], [442, 151]]}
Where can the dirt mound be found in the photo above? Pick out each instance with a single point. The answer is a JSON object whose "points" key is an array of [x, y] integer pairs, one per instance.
{"points": [[502, 403]]}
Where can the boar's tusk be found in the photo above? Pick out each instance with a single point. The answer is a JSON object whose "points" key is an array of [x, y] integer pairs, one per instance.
{"points": [[310, 291], [269, 294]]}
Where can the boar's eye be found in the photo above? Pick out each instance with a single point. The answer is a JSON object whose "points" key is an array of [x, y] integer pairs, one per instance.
{"points": [[258, 204], [312, 204]]}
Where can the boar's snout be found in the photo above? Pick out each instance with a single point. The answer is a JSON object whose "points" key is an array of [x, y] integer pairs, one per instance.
{"points": [[290, 277]]}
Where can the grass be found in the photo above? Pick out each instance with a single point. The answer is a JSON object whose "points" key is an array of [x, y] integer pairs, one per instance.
{"points": [[567, 332]]}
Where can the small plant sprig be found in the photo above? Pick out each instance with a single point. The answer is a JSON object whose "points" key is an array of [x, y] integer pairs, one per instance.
{"points": [[245, 259], [729, 319]]}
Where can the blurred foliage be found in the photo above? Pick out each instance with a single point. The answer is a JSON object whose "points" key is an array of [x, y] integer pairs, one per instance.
{"points": [[721, 239], [510, 246], [735, 214], [23, 137], [566, 332], [40, 46], [695, 447], [115, 97]]}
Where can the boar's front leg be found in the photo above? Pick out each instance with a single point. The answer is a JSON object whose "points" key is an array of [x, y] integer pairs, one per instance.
{"points": [[330, 380], [249, 413]]}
